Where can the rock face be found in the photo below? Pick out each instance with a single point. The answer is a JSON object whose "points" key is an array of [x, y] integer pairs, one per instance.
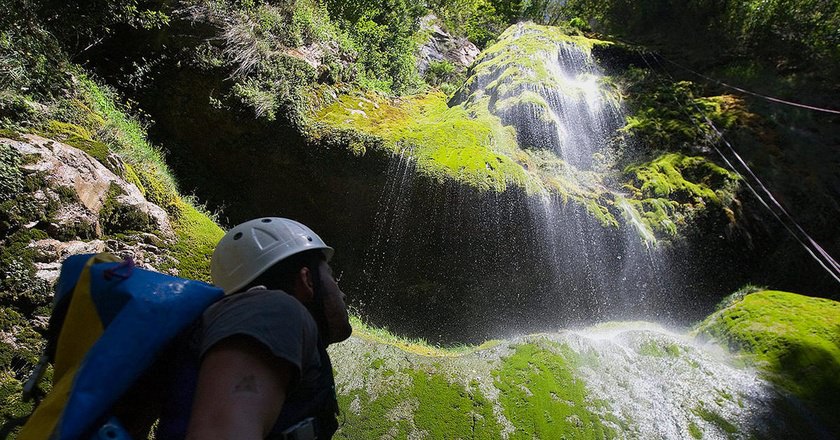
{"points": [[81, 206], [441, 46], [93, 188]]}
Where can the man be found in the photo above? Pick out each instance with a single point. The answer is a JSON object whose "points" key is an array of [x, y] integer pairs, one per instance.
{"points": [[263, 368]]}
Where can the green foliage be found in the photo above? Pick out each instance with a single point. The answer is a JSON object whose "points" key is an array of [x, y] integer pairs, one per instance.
{"points": [[542, 397], [441, 72], [672, 116], [275, 85], [82, 24], [792, 32], [197, 236], [384, 35], [11, 178], [478, 20], [20, 348], [794, 339], [18, 285], [31, 61]]}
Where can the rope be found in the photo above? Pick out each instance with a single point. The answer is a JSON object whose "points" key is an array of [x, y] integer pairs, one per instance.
{"points": [[759, 95], [825, 260]]}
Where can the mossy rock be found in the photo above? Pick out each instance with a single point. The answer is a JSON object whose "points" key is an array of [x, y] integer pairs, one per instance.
{"points": [[794, 339], [543, 397]]}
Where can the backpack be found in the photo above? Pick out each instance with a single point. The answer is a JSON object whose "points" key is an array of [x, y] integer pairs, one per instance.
{"points": [[110, 320]]}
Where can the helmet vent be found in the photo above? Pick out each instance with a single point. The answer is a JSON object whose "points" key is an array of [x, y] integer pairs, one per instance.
{"points": [[309, 238], [237, 236], [266, 220]]}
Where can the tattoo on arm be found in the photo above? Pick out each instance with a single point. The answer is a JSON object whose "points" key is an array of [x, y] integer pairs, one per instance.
{"points": [[247, 384]]}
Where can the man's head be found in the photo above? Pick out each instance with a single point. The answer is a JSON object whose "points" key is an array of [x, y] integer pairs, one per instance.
{"points": [[283, 254]]}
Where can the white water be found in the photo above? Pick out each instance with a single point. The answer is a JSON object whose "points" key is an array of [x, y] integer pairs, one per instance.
{"points": [[661, 382]]}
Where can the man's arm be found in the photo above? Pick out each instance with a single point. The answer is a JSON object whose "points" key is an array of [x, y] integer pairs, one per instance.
{"points": [[240, 392]]}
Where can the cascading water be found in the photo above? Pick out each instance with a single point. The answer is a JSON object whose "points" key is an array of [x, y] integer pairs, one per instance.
{"points": [[452, 263]]}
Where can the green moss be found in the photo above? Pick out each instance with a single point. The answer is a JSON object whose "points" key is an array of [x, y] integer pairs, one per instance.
{"points": [[197, 236], [18, 284], [670, 190], [521, 52], [657, 349], [716, 419], [448, 410], [10, 134], [377, 417], [794, 339], [695, 431], [542, 397], [448, 142], [131, 176], [11, 177], [119, 217]]}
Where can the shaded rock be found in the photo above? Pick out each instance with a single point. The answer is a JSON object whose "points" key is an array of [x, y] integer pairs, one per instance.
{"points": [[441, 46], [144, 254], [85, 189]]}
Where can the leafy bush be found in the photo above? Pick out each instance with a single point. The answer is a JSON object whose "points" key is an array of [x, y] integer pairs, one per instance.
{"points": [[799, 33], [384, 35]]}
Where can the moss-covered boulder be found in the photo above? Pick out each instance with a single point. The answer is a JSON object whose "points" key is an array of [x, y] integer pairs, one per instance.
{"points": [[793, 339], [538, 114], [614, 380]]}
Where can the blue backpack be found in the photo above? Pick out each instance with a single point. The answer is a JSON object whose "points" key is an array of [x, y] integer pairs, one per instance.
{"points": [[110, 320]]}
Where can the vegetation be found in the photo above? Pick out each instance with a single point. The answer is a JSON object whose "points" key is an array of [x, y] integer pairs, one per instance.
{"points": [[542, 396], [791, 33], [794, 339]]}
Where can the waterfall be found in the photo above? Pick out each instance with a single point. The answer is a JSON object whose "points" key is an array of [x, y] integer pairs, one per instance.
{"points": [[453, 263]]}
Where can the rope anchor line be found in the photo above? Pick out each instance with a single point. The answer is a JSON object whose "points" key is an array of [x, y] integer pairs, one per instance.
{"points": [[817, 252]]}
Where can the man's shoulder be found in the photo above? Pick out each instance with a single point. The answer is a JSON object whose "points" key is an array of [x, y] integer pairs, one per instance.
{"points": [[259, 299]]}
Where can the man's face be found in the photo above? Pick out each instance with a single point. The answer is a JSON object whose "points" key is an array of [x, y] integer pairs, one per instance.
{"points": [[335, 310]]}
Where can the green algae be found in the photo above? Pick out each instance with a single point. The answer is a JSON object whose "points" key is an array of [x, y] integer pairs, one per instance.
{"points": [[543, 398], [448, 142], [793, 339], [426, 401], [670, 190]]}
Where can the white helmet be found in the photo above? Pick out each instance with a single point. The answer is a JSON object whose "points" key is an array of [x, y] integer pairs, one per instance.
{"points": [[249, 249]]}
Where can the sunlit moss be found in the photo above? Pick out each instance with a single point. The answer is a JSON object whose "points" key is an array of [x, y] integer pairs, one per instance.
{"points": [[795, 339], [542, 397], [669, 190]]}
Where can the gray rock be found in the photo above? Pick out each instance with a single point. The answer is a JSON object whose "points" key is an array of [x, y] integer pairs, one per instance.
{"points": [[441, 46], [68, 167]]}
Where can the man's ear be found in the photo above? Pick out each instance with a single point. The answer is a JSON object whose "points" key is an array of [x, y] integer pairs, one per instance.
{"points": [[304, 285]]}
